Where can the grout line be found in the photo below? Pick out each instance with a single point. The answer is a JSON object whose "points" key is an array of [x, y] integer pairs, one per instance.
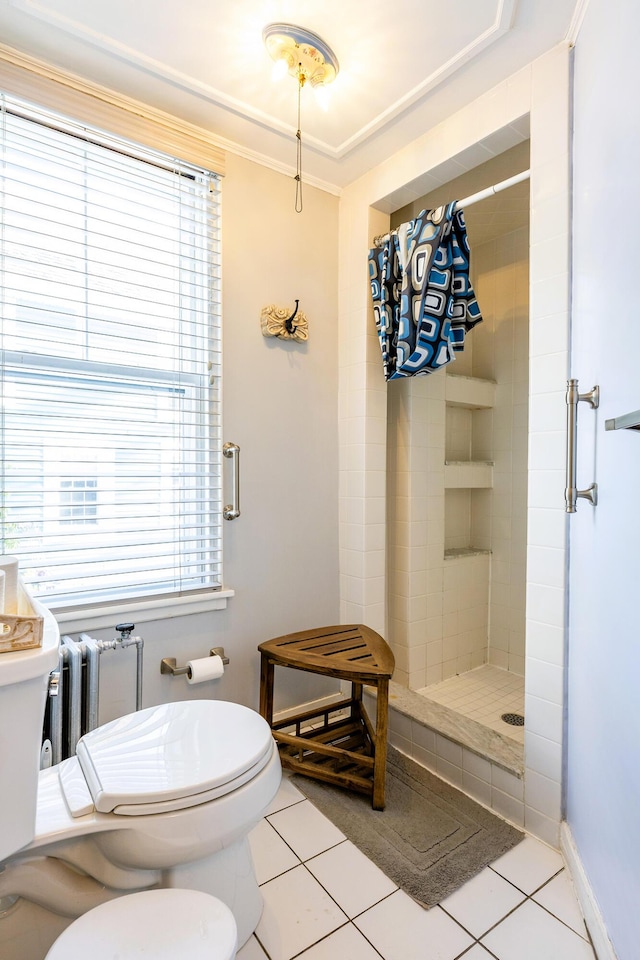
{"points": [[262, 946], [321, 940], [498, 922], [350, 920], [366, 938], [559, 919], [530, 896]]}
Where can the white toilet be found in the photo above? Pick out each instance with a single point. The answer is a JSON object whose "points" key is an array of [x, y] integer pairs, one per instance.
{"points": [[162, 798], [158, 924]]}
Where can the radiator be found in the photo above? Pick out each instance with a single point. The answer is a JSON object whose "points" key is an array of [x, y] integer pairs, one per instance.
{"points": [[74, 690]]}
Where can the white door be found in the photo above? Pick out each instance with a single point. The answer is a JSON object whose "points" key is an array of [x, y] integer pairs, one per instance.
{"points": [[603, 735]]}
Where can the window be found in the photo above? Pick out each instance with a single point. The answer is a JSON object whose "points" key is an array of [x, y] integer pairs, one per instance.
{"points": [[110, 338], [78, 501]]}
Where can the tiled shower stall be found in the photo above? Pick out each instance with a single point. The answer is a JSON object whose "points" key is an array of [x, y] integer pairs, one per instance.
{"points": [[398, 552], [457, 488]]}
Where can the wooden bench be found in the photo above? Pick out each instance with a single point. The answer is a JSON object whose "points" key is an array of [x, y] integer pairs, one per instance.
{"points": [[338, 743]]}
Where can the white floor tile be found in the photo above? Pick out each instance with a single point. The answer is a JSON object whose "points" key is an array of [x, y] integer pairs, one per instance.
{"points": [[354, 882], [530, 933], [477, 952], [286, 795], [482, 902], [271, 856], [251, 951], [297, 913], [345, 944], [306, 830], [559, 897], [529, 864], [401, 929]]}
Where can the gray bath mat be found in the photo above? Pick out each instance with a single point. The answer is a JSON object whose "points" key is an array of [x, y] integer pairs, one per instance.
{"points": [[429, 839]]}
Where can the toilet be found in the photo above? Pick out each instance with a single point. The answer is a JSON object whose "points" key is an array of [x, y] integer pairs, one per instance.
{"points": [[157, 802], [159, 924]]}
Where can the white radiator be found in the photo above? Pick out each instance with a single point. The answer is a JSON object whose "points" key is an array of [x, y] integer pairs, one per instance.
{"points": [[74, 690]]}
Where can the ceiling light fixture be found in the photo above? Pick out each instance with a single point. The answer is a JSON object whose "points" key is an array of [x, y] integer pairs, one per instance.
{"points": [[308, 59]]}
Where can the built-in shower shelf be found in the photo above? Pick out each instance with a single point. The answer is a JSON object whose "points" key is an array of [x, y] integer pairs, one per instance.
{"points": [[461, 553], [470, 392], [468, 474]]}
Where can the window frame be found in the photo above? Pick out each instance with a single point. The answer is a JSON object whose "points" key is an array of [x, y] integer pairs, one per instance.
{"points": [[146, 602]]}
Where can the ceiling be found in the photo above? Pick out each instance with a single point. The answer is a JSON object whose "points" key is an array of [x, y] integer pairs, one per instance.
{"points": [[495, 216], [404, 66]]}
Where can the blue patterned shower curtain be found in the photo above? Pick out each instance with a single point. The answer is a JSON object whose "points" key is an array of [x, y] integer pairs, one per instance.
{"points": [[423, 301]]}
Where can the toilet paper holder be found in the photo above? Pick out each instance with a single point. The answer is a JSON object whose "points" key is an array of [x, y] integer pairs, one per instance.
{"points": [[168, 664]]}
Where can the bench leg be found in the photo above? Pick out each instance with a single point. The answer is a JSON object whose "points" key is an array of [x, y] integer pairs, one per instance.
{"points": [[379, 766], [266, 689], [356, 696]]}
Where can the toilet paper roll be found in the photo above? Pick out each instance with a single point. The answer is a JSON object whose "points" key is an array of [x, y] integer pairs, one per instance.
{"points": [[207, 668]]}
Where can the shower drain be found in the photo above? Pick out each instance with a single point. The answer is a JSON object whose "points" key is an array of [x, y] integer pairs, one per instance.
{"points": [[515, 719]]}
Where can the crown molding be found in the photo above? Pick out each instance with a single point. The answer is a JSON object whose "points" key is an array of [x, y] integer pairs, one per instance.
{"points": [[576, 22], [502, 24], [44, 71], [504, 14], [230, 146]]}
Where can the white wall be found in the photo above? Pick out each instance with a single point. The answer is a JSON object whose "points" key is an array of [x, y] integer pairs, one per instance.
{"points": [[603, 775], [280, 406]]}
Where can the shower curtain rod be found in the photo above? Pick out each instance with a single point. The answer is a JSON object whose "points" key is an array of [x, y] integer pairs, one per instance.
{"points": [[475, 197]]}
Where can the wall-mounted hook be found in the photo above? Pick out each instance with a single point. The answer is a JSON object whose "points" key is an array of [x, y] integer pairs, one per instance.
{"points": [[289, 321], [281, 322]]}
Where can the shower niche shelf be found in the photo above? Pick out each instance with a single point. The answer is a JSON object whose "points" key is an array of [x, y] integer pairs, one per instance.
{"points": [[471, 393], [468, 474], [462, 553]]}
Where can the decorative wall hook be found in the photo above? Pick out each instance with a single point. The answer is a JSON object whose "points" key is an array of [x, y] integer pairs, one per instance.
{"points": [[281, 322]]}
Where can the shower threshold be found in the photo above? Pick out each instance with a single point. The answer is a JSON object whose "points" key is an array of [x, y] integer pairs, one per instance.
{"points": [[484, 736]]}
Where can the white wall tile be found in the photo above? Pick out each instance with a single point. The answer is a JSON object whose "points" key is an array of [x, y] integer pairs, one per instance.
{"points": [[545, 604], [507, 807], [543, 756], [448, 750], [546, 489], [426, 758], [478, 789], [544, 795], [549, 373], [547, 527], [543, 718], [543, 827], [507, 782], [449, 772], [550, 217], [546, 642], [544, 680]]}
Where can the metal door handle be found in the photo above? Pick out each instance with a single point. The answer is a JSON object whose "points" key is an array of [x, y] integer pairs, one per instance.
{"points": [[232, 452], [573, 397]]}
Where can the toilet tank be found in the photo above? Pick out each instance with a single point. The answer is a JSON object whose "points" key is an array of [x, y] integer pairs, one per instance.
{"points": [[24, 678]]}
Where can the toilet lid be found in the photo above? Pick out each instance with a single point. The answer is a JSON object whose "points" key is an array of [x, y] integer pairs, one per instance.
{"points": [[167, 756], [158, 924]]}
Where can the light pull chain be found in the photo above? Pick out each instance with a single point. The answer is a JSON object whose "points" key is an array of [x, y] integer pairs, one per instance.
{"points": [[298, 178]]}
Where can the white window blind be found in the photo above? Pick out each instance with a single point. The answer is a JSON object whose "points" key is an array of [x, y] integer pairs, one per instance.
{"points": [[110, 338]]}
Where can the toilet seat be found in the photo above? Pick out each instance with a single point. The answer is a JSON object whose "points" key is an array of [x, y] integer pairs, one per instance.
{"points": [[166, 758], [160, 924]]}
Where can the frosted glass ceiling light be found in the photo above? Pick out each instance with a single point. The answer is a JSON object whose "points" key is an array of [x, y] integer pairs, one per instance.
{"points": [[308, 59]]}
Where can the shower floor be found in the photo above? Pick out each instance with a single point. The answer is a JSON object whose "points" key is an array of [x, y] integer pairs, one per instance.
{"points": [[483, 695]]}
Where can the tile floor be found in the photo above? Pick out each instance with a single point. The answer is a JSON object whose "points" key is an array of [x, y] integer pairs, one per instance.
{"points": [[483, 694], [324, 900]]}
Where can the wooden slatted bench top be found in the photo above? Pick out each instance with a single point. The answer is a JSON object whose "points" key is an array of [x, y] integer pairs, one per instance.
{"points": [[346, 651]]}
